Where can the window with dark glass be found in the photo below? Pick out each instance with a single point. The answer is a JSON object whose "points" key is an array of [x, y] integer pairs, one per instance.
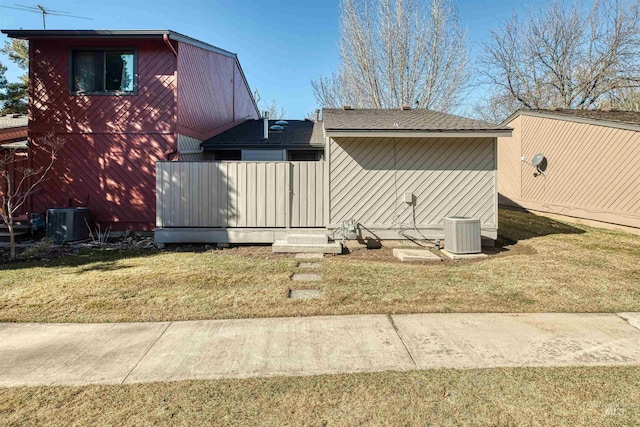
{"points": [[227, 155], [304, 155], [103, 71]]}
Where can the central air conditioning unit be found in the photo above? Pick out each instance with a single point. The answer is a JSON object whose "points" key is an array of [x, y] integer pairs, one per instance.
{"points": [[462, 235], [67, 224]]}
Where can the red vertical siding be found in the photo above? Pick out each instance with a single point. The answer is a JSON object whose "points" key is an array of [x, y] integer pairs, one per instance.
{"points": [[211, 92], [108, 162], [244, 104]]}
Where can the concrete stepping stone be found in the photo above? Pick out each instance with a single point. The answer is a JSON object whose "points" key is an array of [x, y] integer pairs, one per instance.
{"points": [[310, 265], [457, 257], [306, 277], [415, 255], [310, 256]]}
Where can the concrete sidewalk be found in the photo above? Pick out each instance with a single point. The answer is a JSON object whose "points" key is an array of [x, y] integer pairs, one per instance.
{"points": [[45, 354]]}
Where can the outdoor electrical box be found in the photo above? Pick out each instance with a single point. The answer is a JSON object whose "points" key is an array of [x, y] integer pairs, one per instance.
{"points": [[408, 198]]}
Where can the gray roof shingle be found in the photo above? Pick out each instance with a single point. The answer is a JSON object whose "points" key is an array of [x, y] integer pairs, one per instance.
{"points": [[631, 117], [249, 134], [401, 120], [13, 121]]}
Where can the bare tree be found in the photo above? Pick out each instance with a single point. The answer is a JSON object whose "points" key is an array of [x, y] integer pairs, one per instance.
{"points": [[397, 52], [275, 110], [623, 99], [563, 56], [13, 195], [494, 109]]}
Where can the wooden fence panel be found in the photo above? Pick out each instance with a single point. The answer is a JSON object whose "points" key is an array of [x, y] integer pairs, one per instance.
{"points": [[240, 194], [307, 197]]}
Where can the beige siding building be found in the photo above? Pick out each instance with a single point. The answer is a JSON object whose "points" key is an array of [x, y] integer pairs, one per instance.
{"points": [[398, 174], [369, 178], [592, 164], [394, 174]]}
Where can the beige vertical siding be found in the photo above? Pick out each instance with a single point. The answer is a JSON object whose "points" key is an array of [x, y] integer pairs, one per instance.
{"points": [[240, 194], [592, 170], [447, 176], [307, 194]]}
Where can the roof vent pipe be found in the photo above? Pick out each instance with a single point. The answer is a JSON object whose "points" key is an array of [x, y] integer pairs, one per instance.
{"points": [[265, 118]]}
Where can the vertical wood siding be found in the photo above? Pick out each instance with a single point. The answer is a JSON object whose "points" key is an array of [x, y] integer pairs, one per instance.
{"points": [[243, 104], [592, 170], [239, 194], [113, 142], [448, 177], [211, 91]]}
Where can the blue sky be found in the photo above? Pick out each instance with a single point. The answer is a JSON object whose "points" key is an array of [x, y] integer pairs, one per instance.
{"points": [[282, 45]]}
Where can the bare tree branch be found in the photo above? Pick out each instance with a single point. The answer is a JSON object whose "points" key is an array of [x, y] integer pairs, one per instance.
{"points": [[397, 52], [273, 108], [13, 195], [564, 56]]}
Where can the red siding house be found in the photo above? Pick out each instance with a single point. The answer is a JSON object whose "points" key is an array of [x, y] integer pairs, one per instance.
{"points": [[124, 100]]}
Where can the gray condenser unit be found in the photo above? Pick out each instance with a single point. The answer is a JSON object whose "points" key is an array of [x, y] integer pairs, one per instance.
{"points": [[67, 224], [462, 235]]}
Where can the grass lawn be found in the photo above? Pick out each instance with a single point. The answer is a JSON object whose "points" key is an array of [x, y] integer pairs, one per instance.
{"points": [[489, 397], [541, 265]]}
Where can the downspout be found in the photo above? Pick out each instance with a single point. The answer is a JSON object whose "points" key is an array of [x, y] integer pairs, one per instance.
{"points": [[170, 153]]}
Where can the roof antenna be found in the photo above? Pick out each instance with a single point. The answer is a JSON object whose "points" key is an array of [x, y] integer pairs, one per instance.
{"points": [[44, 11]]}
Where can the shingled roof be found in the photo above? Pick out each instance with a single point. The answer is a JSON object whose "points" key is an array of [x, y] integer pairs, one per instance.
{"points": [[595, 116], [419, 120], [13, 121], [250, 134]]}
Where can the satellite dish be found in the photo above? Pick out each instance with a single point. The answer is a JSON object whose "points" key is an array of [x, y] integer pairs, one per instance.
{"points": [[537, 159]]}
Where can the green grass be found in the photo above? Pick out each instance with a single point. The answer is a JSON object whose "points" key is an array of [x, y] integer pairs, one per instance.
{"points": [[488, 397], [541, 265]]}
